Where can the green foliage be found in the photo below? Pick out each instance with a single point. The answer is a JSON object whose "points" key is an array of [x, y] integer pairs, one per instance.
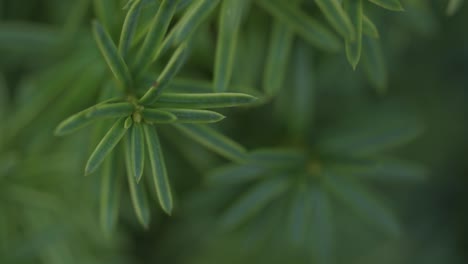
{"points": [[333, 173], [309, 164], [137, 114], [393, 5], [453, 6], [338, 18], [354, 47], [229, 22], [303, 24]]}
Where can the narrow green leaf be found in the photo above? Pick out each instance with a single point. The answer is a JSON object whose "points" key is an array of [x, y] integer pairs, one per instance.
{"points": [[183, 4], [214, 140], [157, 116], [236, 174], [374, 64], [137, 150], [129, 28], [110, 194], [453, 6], [263, 229], [362, 203], [148, 12], [107, 144], [421, 18], [191, 19], [191, 86], [303, 24], [75, 19], [170, 70], [144, 3], [299, 216], [351, 166], [137, 192], [250, 60], [277, 58], [321, 226], [252, 202], [128, 4], [303, 92], [128, 122], [158, 168], [393, 5], [229, 22], [202, 100], [370, 135], [368, 27], [194, 116], [393, 170], [91, 114], [104, 10], [157, 29], [112, 57], [337, 17], [278, 158], [353, 47]]}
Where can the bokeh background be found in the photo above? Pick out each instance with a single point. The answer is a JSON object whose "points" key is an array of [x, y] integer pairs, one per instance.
{"points": [[49, 210]]}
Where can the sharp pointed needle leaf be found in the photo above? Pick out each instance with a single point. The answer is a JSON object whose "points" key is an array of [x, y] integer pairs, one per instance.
{"points": [[194, 115], [321, 226], [204, 100], [303, 24], [155, 116], [91, 114], [192, 18], [278, 158], [393, 5], [129, 27], [363, 203], [158, 169], [369, 28], [213, 140], [157, 29], [137, 149], [252, 202], [235, 174], [137, 192], [107, 144], [391, 170], [353, 47], [337, 17], [371, 134], [299, 216], [229, 21], [374, 64], [110, 194], [112, 56], [170, 71], [279, 50]]}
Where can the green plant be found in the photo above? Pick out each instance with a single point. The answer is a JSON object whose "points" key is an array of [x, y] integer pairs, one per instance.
{"points": [[303, 142], [139, 113]]}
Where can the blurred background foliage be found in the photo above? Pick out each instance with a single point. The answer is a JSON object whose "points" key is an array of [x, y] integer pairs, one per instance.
{"points": [[50, 68]]}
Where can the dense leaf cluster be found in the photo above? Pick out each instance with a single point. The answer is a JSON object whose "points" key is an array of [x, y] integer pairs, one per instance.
{"points": [[290, 171]]}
